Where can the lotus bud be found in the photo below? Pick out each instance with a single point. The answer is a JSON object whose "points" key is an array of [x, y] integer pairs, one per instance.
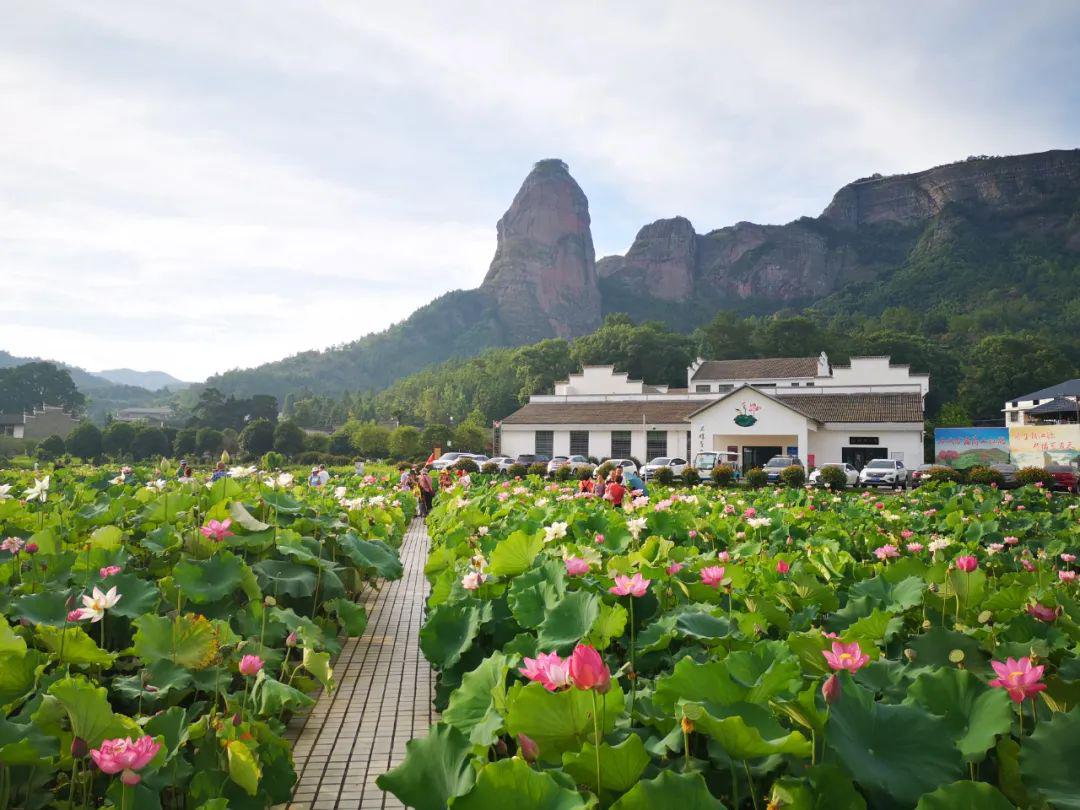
{"points": [[830, 690], [225, 457], [270, 601], [687, 725], [291, 639], [500, 748], [31, 548], [79, 748], [528, 748], [236, 719], [910, 654]]}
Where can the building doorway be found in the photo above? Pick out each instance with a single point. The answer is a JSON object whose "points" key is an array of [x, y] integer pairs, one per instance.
{"points": [[858, 457], [753, 456]]}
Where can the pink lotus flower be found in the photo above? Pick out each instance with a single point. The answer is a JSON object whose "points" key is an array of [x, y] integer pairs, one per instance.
{"points": [[1019, 677], [12, 545], [906, 533], [1011, 540], [250, 665], [124, 757], [749, 512], [674, 568], [724, 556], [575, 566], [217, 530], [729, 509], [109, 570], [879, 505], [967, 563], [528, 748], [1069, 558], [1042, 612], [630, 586], [588, 670], [914, 548], [782, 567], [846, 656], [712, 576], [692, 534], [830, 690], [74, 616], [599, 539], [1067, 576], [32, 548], [1029, 566], [547, 669], [472, 581], [886, 552]]}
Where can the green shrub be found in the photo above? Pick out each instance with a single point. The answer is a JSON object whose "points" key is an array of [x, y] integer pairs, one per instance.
{"points": [[490, 468], [942, 473], [605, 469], [273, 460], [538, 468], [723, 475], [585, 473], [517, 471], [467, 464], [51, 448], [985, 476], [756, 478], [664, 475], [793, 476], [691, 477], [834, 477], [1034, 475], [563, 473]]}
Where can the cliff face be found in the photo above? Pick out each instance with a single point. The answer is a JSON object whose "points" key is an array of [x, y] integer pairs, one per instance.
{"points": [[870, 225], [543, 277]]}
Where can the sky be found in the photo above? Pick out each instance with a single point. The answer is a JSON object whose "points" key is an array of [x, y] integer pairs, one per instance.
{"points": [[198, 186]]}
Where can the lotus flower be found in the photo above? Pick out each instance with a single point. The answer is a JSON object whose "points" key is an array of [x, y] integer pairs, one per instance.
{"points": [[914, 548], [283, 480], [39, 491], [1069, 558], [967, 563], [576, 566], [674, 568], [217, 530], [1067, 576], [547, 669], [830, 690], [74, 616], [630, 586], [472, 580], [846, 656], [12, 545], [886, 552], [528, 748], [109, 570], [250, 665], [782, 567], [1042, 612], [124, 757], [1011, 540], [749, 512], [4, 490], [599, 539], [712, 575], [556, 531], [95, 605], [636, 526], [588, 670], [1019, 677]]}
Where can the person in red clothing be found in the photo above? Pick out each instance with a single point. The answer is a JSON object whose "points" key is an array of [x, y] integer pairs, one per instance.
{"points": [[614, 491], [585, 485]]}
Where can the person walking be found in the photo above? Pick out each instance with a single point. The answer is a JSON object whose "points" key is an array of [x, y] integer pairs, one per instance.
{"points": [[614, 492], [427, 492]]}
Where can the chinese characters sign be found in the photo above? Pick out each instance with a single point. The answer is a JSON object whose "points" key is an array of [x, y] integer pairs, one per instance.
{"points": [[1044, 445], [964, 447]]}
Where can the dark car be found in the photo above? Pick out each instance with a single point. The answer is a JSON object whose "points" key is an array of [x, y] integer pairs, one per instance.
{"points": [[777, 464], [1008, 475], [526, 459], [920, 472], [1066, 476]]}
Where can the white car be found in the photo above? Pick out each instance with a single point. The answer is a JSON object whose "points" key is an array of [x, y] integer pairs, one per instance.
{"points": [[676, 465], [851, 473], [502, 462], [449, 460], [884, 472], [625, 463], [575, 463]]}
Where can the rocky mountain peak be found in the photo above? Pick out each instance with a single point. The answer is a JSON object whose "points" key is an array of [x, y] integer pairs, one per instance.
{"points": [[543, 276], [661, 261]]}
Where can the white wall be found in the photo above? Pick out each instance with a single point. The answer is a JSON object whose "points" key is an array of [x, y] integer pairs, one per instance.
{"points": [[827, 444], [773, 419], [599, 380], [875, 371]]}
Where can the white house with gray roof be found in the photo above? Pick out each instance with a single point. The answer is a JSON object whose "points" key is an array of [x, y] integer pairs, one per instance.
{"points": [[755, 408]]}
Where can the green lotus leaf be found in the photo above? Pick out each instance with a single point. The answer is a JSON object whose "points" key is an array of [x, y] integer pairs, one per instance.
{"points": [[244, 768], [689, 680], [18, 674], [534, 593], [318, 664], [140, 796], [311, 635], [657, 636], [978, 713], [10, 641], [933, 648], [162, 540], [242, 517], [352, 617], [107, 537], [473, 705], [892, 597], [515, 554], [371, 555], [685, 791], [620, 765], [171, 725], [876, 629], [137, 595], [448, 633], [436, 769], [609, 625], [72, 646], [165, 508], [280, 578], [512, 783], [767, 670], [560, 721], [211, 580], [42, 608], [895, 753], [825, 787], [745, 730], [25, 744], [699, 624], [273, 697], [965, 795], [188, 640], [87, 707], [568, 621], [280, 500], [48, 542], [1049, 757]]}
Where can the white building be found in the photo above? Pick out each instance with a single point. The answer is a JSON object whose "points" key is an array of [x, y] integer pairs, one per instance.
{"points": [[1058, 403], [756, 408]]}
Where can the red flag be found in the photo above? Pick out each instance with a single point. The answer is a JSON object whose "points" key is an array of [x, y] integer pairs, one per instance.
{"points": [[430, 458]]}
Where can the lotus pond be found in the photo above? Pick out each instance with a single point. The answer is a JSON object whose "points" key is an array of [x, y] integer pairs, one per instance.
{"points": [[749, 649], [159, 634]]}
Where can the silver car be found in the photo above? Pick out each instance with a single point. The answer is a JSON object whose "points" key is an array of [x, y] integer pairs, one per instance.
{"points": [[676, 465], [575, 463], [851, 473]]}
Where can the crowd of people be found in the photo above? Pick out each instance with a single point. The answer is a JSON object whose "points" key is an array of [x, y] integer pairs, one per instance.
{"points": [[615, 486], [418, 481]]}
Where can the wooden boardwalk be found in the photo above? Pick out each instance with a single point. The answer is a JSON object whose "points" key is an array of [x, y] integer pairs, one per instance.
{"points": [[382, 700]]}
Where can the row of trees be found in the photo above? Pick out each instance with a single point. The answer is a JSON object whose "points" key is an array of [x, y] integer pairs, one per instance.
{"points": [[31, 385]]}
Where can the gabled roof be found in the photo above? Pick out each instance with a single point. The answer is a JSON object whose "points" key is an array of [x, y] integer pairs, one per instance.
{"points": [[901, 407], [627, 412], [1069, 388], [764, 368], [12, 419], [1056, 405]]}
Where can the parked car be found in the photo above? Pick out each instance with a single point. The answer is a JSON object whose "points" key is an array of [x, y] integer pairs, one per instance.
{"points": [[1066, 476], [916, 476], [676, 465], [502, 462], [625, 463], [575, 463], [449, 460], [1008, 475], [884, 472], [525, 459], [851, 473], [777, 464], [704, 462]]}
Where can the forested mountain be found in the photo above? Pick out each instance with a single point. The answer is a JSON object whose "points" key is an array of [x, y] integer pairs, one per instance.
{"points": [[986, 246]]}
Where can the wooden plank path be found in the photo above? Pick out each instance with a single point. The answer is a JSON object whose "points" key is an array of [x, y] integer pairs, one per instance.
{"points": [[382, 700]]}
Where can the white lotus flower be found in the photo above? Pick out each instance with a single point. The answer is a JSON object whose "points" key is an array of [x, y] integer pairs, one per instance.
{"points": [[482, 530], [636, 526], [242, 472], [95, 605], [339, 492], [158, 485], [556, 531], [282, 480], [39, 491], [4, 490], [755, 523]]}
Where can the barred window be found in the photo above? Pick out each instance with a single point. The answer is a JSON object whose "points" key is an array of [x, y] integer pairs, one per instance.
{"points": [[655, 443], [545, 442], [620, 444], [579, 442]]}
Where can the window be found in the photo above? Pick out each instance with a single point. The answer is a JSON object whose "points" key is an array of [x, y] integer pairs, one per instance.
{"points": [[579, 442], [620, 444], [809, 385], [724, 388], [1015, 404], [1013, 416], [545, 442], [702, 389], [864, 440], [795, 385], [655, 443]]}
